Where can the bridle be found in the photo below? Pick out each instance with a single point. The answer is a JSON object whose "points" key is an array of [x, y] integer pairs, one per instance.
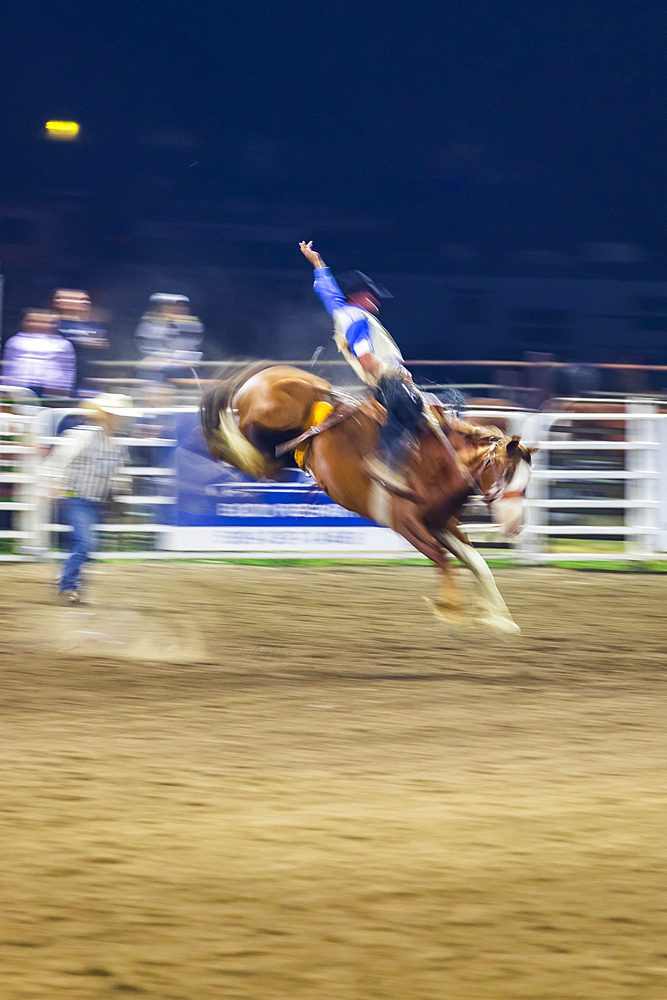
{"points": [[498, 489]]}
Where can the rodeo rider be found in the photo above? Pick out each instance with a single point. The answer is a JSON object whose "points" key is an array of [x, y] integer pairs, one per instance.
{"points": [[376, 359]]}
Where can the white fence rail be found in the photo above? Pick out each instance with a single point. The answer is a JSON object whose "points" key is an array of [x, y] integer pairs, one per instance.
{"points": [[637, 454], [603, 492]]}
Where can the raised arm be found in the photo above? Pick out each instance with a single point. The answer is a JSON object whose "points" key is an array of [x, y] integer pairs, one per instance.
{"points": [[310, 254], [324, 284]]}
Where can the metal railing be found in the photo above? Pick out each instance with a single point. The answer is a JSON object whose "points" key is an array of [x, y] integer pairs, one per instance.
{"points": [[614, 476], [589, 486]]}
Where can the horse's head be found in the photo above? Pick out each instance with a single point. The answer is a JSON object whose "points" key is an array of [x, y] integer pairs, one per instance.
{"points": [[503, 480]]}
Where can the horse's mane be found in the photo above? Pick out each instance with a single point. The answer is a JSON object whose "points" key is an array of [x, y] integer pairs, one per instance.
{"points": [[488, 435], [478, 433]]}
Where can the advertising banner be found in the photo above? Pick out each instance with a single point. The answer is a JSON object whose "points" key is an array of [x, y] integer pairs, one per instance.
{"points": [[218, 509]]}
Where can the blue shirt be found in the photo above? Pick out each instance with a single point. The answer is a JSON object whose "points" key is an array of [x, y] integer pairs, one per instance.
{"points": [[353, 319]]}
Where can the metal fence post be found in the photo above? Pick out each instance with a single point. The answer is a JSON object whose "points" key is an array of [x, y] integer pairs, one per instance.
{"points": [[532, 543], [642, 460]]}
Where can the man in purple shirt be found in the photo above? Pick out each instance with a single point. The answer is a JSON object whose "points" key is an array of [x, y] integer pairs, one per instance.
{"points": [[38, 358]]}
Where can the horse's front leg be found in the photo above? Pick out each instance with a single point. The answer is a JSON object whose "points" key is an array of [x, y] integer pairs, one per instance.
{"points": [[400, 514], [447, 605], [495, 611]]}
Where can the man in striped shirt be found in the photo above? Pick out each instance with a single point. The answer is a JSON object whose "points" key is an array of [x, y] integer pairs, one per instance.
{"points": [[82, 467]]}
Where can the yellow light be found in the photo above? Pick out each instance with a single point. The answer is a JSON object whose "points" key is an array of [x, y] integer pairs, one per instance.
{"points": [[62, 130]]}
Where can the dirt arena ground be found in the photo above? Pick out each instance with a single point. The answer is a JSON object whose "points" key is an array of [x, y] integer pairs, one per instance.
{"points": [[295, 784]]}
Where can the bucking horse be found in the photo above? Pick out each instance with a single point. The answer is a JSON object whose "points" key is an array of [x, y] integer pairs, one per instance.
{"points": [[267, 414]]}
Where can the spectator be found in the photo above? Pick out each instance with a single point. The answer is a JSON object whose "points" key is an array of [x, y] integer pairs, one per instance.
{"points": [[83, 468], [38, 358], [168, 337], [73, 307]]}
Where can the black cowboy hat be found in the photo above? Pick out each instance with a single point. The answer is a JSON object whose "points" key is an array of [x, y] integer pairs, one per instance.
{"points": [[357, 281]]}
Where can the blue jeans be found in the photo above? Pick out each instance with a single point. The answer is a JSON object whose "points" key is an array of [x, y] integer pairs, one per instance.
{"points": [[404, 407], [82, 515]]}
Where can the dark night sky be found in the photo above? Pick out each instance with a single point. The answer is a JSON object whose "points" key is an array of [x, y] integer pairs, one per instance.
{"points": [[518, 120], [557, 99]]}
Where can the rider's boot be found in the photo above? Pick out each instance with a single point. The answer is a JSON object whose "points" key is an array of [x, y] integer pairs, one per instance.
{"points": [[387, 466], [404, 406]]}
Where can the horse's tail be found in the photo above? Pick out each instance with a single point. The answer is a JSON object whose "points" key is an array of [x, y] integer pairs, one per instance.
{"points": [[225, 441]]}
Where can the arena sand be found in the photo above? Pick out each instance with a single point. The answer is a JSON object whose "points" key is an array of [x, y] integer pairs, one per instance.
{"points": [[271, 783]]}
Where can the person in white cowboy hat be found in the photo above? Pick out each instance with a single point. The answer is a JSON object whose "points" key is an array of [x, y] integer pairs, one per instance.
{"points": [[81, 469]]}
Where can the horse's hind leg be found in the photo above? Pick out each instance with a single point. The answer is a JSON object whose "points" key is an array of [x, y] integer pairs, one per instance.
{"points": [[496, 612]]}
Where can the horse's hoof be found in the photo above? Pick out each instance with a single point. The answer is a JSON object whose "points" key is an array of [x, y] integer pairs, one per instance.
{"points": [[453, 619], [501, 624]]}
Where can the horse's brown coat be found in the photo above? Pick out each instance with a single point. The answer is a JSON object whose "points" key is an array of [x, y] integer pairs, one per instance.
{"points": [[272, 404]]}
